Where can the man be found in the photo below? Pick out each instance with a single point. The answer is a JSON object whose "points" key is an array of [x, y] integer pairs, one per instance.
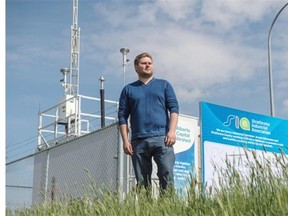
{"points": [[153, 109]]}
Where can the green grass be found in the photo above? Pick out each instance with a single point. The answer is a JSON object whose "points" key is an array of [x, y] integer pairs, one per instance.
{"points": [[264, 191]]}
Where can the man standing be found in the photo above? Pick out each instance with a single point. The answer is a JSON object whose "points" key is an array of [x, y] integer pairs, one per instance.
{"points": [[153, 109]]}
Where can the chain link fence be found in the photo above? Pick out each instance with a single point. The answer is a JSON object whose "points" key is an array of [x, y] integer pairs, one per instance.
{"points": [[70, 169], [81, 166], [19, 183]]}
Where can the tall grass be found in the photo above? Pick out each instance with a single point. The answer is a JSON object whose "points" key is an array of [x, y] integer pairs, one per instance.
{"points": [[261, 191]]}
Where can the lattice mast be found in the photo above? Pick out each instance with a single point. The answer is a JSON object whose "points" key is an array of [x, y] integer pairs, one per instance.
{"points": [[69, 108], [73, 88]]}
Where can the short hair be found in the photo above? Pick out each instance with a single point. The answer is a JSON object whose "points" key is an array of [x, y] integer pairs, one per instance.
{"points": [[140, 56]]}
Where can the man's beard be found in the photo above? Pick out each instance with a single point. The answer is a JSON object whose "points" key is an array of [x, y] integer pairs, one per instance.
{"points": [[146, 76]]}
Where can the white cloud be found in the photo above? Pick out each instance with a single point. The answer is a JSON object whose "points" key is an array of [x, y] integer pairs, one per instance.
{"points": [[195, 93], [192, 59], [201, 58], [285, 103], [113, 15], [147, 13], [177, 10], [285, 108], [229, 14]]}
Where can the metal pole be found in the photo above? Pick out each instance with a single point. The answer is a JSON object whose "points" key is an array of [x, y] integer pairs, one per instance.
{"points": [[124, 52], [120, 168], [46, 176], [102, 106], [270, 63], [53, 188]]}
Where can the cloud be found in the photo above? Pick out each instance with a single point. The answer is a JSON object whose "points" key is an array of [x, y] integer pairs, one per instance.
{"points": [[177, 10], [196, 60], [230, 14], [147, 13], [195, 93], [285, 103], [199, 58]]}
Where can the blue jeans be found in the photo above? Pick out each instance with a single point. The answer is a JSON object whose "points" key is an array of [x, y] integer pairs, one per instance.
{"points": [[143, 151]]}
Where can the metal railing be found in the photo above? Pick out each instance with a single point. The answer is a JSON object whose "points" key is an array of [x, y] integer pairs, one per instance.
{"points": [[73, 117]]}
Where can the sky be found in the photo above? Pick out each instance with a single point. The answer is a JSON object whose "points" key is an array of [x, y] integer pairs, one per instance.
{"points": [[212, 51]]}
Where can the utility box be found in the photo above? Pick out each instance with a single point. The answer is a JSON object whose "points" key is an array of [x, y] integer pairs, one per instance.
{"points": [[67, 108]]}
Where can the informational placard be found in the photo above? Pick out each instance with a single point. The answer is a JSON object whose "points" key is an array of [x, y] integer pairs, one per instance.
{"points": [[187, 138], [226, 133]]}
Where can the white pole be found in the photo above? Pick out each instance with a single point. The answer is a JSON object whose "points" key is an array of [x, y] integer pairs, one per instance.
{"points": [[270, 63], [124, 52]]}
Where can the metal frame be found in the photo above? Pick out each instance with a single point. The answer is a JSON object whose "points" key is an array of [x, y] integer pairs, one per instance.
{"points": [[52, 129]]}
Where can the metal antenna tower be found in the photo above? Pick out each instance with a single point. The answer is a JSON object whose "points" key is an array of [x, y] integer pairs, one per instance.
{"points": [[68, 111], [75, 52]]}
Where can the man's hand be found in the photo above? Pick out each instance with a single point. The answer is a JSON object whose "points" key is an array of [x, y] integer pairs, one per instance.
{"points": [[127, 147], [170, 139]]}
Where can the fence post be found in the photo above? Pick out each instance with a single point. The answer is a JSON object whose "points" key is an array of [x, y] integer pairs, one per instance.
{"points": [[120, 174], [46, 176]]}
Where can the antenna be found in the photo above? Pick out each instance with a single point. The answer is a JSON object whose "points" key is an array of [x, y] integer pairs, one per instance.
{"points": [[124, 52], [75, 52], [63, 81], [68, 110]]}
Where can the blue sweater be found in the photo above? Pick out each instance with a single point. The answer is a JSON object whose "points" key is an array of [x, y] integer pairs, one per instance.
{"points": [[148, 106]]}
